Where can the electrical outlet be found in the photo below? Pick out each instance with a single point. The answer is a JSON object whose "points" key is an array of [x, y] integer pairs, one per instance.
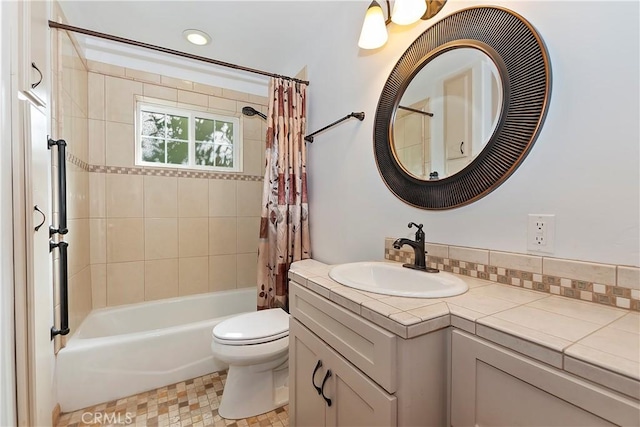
{"points": [[541, 233]]}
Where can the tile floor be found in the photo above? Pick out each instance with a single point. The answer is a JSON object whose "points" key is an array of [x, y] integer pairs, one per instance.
{"points": [[189, 403]]}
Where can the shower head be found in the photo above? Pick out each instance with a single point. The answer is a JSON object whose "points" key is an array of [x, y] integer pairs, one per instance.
{"points": [[250, 111]]}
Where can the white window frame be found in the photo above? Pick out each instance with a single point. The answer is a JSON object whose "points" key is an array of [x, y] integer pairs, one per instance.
{"points": [[191, 139]]}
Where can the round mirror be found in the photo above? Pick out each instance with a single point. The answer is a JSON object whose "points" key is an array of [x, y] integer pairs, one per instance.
{"points": [[447, 113], [487, 87]]}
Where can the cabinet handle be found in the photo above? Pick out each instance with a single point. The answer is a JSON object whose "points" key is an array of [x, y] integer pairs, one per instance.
{"points": [[462, 147], [44, 217], [313, 377], [326, 377], [35, 85]]}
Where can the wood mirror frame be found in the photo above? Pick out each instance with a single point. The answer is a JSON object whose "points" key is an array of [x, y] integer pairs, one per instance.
{"points": [[523, 62]]}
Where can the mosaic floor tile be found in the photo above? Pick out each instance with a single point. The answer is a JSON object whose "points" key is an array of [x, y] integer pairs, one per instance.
{"points": [[191, 403]]}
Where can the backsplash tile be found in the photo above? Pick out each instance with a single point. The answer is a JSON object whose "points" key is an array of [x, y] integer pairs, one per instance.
{"points": [[616, 286]]}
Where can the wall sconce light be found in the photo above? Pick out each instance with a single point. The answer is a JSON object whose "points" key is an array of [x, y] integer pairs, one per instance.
{"points": [[405, 12]]}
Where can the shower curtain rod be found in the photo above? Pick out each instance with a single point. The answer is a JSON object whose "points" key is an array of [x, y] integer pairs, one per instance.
{"points": [[58, 25]]}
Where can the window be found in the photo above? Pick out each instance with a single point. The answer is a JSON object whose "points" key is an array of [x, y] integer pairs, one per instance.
{"points": [[182, 138]]}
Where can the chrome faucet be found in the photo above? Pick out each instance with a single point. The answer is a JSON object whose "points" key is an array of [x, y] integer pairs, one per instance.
{"points": [[419, 262]]}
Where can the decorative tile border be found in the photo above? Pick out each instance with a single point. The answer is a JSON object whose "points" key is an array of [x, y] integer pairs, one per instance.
{"points": [[179, 173], [606, 294]]}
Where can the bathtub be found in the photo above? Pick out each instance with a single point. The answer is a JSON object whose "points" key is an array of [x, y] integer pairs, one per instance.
{"points": [[125, 350]]}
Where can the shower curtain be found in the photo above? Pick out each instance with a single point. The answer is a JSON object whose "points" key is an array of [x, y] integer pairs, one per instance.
{"points": [[284, 222]]}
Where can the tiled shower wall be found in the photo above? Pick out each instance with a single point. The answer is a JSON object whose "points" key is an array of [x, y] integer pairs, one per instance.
{"points": [[161, 233], [69, 122]]}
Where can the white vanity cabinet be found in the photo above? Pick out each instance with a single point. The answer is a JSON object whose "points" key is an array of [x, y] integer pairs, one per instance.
{"points": [[377, 378], [493, 386]]}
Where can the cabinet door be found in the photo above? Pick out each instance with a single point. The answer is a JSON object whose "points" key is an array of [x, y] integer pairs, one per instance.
{"points": [[355, 399], [494, 386], [306, 406]]}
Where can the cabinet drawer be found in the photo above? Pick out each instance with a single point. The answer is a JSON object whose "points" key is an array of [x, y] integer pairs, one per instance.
{"points": [[367, 346]]}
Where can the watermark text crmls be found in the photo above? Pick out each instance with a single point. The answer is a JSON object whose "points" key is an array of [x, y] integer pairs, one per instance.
{"points": [[104, 418]]}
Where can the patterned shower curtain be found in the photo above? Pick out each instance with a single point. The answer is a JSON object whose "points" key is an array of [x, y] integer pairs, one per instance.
{"points": [[284, 223]]}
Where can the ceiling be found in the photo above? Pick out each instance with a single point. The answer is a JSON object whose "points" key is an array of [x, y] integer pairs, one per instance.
{"points": [[268, 35]]}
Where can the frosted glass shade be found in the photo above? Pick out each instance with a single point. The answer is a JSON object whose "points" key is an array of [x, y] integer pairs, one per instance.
{"points": [[374, 29], [407, 12]]}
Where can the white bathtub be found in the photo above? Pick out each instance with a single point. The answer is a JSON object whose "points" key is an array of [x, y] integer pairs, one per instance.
{"points": [[120, 351]]}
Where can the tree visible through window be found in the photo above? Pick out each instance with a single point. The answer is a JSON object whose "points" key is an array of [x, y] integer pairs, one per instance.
{"points": [[176, 138]]}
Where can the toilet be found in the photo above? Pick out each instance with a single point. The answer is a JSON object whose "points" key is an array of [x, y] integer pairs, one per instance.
{"points": [[256, 347]]}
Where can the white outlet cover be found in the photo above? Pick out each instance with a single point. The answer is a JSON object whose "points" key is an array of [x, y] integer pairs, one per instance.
{"points": [[541, 240]]}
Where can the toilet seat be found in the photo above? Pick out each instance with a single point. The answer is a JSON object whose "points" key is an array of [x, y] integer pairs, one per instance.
{"points": [[253, 328]]}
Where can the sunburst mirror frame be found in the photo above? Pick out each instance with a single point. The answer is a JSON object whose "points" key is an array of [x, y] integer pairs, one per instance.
{"points": [[523, 64]]}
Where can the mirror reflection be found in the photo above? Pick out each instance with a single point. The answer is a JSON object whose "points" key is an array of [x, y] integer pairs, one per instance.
{"points": [[447, 114]]}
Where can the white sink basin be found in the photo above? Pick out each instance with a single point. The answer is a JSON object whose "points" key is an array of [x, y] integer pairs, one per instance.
{"points": [[393, 279]]}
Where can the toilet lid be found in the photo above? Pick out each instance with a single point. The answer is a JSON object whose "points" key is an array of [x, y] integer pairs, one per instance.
{"points": [[253, 328]]}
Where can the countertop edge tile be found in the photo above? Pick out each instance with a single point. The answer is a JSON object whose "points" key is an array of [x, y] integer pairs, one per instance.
{"points": [[602, 376], [520, 345], [384, 322], [593, 356], [464, 324]]}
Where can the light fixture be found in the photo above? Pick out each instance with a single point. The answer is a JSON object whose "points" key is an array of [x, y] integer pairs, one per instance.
{"points": [[405, 12], [197, 37]]}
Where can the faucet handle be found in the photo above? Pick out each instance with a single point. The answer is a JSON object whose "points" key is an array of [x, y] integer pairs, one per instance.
{"points": [[413, 224]]}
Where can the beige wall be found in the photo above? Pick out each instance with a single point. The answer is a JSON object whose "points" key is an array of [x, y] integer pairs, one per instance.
{"points": [[160, 233], [69, 122]]}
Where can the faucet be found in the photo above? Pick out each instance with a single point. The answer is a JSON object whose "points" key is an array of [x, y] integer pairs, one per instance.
{"points": [[418, 250]]}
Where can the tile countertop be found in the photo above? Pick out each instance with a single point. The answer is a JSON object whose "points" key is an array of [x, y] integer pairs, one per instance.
{"points": [[598, 343]]}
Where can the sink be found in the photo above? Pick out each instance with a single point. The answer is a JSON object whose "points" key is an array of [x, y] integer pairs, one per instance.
{"points": [[392, 279]]}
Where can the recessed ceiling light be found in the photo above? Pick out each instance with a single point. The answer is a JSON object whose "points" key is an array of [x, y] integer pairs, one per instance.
{"points": [[197, 37]]}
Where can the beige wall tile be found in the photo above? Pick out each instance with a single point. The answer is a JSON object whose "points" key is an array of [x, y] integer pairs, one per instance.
{"points": [[160, 279], [125, 283], [252, 153], [532, 264], [247, 270], [99, 285], [222, 236], [479, 256], [97, 142], [209, 90], [160, 197], [248, 234], [177, 83], [101, 67], [252, 127], [629, 277], [98, 240], [193, 237], [96, 96], [78, 239], [160, 92], [234, 94], [261, 100], [160, 238], [249, 198], [193, 98], [222, 197], [79, 297], [119, 99], [222, 272], [77, 192], [433, 249], [577, 270], [125, 239], [119, 144], [124, 196], [218, 103], [97, 195], [194, 275], [193, 197], [142, 75]]}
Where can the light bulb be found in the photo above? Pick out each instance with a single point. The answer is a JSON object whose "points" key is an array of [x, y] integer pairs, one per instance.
{"points": [[407, 12], [197, 37], [374, 29]]}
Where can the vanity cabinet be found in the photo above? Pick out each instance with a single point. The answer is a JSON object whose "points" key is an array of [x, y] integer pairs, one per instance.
{"points": [[329, 391], [376, 377], [494, 386]]}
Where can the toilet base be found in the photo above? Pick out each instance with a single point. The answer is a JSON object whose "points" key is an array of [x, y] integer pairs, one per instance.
{"points": [[254, 390]]}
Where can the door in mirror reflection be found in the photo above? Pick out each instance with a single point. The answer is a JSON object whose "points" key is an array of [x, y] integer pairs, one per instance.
{"points": [[447, 113]]}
